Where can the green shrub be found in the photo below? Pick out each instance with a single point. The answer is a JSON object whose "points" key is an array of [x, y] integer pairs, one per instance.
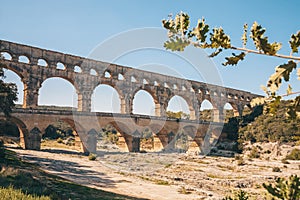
{"points": [[241, 162], [59, 140], [183, 190], [285, 189], [284, 161], [161, 182], [254, 153], [238, 157], [294, 155], [276, 169], [267, 151], [16, 194], [92, 156], [240, 195]]}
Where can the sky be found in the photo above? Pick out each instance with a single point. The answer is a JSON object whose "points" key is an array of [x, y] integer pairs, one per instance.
{"points": [[83, 27]]}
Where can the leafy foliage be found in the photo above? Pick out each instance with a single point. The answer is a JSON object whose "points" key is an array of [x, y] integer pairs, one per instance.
{"points": [[234, 59], [200, 31], [16, 194], [8, 94], [109, 134], [244, 36], [180, 36], [295, 42], [285, 189], [294, 155], [261, 42], [219, 39], [176, 44], [57, 130], [240, 195], [178, 115], [282, 71], [273, 125]]}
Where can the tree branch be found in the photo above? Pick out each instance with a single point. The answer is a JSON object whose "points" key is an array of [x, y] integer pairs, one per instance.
{"points": [[262, 53]]}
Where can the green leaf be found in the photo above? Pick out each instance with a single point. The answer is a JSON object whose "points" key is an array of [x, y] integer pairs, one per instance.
{"points": [[294, 108], [176, 44], [282, 71], [233, 60], [244, 36], [295, 42], [215, 53], [182, 22], [257, 101], [219, 39], [273, 106], [289, 90], [261, 42], [200, 31]]}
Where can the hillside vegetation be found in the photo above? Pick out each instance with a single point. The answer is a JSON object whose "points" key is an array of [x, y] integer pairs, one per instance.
{"points": [[271, 126]]}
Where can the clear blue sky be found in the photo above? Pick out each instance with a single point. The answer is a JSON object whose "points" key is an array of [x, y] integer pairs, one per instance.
{"points": [[77, 27]]}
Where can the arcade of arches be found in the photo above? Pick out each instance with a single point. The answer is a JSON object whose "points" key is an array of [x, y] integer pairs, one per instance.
{"points": [[37, 67]]}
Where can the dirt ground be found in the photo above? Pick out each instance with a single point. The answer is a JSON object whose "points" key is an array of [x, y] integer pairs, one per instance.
{"points": [[168, 175]]}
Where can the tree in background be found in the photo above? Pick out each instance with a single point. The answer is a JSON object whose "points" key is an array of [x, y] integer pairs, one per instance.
{"points": [[8, 94], [181, 35]]}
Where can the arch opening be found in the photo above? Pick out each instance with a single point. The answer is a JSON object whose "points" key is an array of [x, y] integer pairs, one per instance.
{"points": [[58, 92], [6, 56], [178, 108], [228, 111], [24, 59], [14, 132], [143, 103], [77, 69], [62, 134], [9, 133], [60, 66], [107, 75], [93, 72], [42, 62], [105, 98], [247, 110], [206, 111], [120, 77]]}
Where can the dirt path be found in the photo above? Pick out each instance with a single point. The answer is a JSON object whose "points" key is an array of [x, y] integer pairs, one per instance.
{"points": [[169, 176], [95, 174]]}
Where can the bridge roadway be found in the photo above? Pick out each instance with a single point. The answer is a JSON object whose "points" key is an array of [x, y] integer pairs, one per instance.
{"points": [[33, 122]]}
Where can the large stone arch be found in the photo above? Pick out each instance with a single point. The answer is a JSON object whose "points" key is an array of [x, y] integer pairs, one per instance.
{"points": [[79, 131], [151, 93], [71, 80], [189, 102], [115, 88], [67, 79], [23, 131]]}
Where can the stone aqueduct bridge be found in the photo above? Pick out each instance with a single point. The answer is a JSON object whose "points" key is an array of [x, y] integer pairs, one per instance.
{"points": [[86, 74]]}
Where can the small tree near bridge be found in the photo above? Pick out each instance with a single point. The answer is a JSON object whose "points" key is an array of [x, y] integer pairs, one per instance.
{"points": [[8, 94]]}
